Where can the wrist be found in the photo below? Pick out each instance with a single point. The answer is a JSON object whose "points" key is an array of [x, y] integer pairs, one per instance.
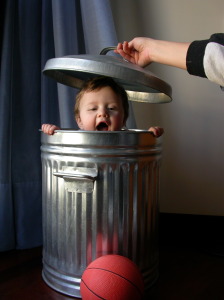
{"points": [[170, 53]]}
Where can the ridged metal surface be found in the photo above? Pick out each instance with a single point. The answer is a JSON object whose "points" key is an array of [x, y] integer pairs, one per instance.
{"points": [[140, 84], [119, 216]]}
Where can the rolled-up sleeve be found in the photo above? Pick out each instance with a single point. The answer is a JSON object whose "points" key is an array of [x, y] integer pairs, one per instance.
{"points": [[206, 58]]}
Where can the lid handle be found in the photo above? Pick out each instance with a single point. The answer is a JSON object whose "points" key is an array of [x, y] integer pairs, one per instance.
{"points": [[107, 49]]}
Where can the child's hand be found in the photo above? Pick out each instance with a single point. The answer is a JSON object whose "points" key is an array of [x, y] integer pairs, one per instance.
{"points": [[49, 128], [156, 131]]}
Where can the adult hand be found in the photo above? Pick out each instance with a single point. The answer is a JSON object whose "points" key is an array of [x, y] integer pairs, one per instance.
{"points": [[136, 51], [143, 51]]}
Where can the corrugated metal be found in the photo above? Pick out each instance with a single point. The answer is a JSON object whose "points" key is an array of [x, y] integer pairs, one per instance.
{"points": [[119, 216]]}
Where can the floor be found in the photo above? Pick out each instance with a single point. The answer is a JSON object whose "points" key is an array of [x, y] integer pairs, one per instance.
{"points": [[184, 274], [191, 264]]}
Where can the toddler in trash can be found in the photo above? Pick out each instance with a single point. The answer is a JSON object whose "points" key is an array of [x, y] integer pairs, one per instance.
{"points": [[101, 105]]}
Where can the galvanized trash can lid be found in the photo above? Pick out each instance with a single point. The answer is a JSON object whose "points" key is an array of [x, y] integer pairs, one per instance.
{"points": [[140, 84]]}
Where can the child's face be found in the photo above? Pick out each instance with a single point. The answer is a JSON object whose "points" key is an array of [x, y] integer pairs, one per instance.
{"points": [[101, 110]]}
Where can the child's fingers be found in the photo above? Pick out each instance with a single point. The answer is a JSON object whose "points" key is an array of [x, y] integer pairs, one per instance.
{"points": [[49, 128], [157, 131]]}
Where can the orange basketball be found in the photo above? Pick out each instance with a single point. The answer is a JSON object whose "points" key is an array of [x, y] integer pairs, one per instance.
{"points": [[112, 277]]}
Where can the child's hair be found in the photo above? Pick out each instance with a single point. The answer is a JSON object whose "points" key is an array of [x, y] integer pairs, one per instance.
{"points": [[96, 84]]}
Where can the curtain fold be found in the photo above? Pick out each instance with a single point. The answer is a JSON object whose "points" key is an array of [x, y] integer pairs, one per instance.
{"points": [[98, 26], [31, 33], [20, 172], [68, 40], [7, 238]]}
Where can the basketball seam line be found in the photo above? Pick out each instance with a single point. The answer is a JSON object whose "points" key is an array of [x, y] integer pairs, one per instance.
{"points": [[92, 291], [121, 277]]}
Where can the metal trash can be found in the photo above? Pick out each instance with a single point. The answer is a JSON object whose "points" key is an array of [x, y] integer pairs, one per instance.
{"points": [[100, 196]]}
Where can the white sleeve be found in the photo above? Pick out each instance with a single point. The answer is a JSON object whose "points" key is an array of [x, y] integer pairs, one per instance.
{"points": [[205, 58], [214, 62]]}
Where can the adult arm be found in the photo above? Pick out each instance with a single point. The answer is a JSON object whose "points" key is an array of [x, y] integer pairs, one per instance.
{"points": [[143, 51], [200, 58]]}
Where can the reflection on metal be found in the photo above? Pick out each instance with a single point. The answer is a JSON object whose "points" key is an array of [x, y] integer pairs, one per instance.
{"points": [[118, 214], [140, 84]]}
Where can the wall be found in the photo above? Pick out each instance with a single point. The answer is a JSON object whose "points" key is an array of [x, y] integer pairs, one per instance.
{"points": [[192, 173]]}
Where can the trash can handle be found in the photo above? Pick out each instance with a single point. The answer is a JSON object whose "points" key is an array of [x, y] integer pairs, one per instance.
{"points": [[74, 176], [80, 180]]}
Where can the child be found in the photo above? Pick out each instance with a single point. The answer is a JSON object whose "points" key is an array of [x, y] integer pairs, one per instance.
{"points": [[101, 105]]}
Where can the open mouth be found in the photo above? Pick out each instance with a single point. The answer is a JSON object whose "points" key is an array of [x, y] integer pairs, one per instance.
{"points": [[102, 126]]}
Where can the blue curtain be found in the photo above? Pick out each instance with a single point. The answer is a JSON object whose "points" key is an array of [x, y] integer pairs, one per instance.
{"points": [[33, 31]]}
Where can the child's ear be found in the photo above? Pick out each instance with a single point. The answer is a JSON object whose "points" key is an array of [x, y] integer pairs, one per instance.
{"points": [[79, 122]]}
